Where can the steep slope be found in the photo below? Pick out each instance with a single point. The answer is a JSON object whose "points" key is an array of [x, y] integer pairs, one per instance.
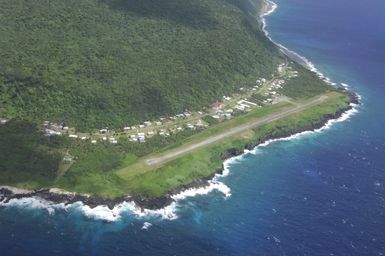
{"points": [[97, 63], [94, 63]]}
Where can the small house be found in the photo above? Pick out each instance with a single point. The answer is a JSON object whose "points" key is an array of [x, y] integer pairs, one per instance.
{"points": [[68, 159], [217, 105]]}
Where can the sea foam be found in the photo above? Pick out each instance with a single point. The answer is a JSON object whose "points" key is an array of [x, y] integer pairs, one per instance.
{"points": [[272, 7], [169, 212], [329, 124]]}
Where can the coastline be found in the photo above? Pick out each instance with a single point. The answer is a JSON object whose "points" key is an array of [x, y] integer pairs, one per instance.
{"points": [[163, 207], [269, 7], [111, 209]]}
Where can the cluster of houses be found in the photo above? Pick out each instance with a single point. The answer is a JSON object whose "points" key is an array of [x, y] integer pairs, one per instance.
{"points": [[242, 105], [179, 116], [144, 125], [292, 73], [275, 86], [245, 105], [272, 91], [141, 136], [105, 138], [258, 83], [135, 133], [218, 109], [157, 123], [52, 129], [198, 124], [148, 129], [139, 133]]}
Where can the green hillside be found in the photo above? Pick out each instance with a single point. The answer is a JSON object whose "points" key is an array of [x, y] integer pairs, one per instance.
{"points": [[94, 63]]}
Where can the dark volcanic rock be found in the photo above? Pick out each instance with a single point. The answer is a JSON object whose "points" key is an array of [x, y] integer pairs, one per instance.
{"points": [[160, 202], [153, 203], [231, 153]]}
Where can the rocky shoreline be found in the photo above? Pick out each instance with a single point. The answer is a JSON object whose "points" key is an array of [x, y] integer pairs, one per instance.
{"points": [[58, 196]]}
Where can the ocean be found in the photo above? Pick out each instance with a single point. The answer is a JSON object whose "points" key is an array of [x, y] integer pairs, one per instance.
{"points": [[320, 193]]}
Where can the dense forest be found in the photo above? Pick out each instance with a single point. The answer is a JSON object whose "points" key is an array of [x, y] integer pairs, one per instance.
{"points": [[96, 63], [27, 155]]}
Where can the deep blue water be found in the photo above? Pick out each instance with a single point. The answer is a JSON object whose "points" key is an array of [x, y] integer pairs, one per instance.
{"points": [[322, 194]]}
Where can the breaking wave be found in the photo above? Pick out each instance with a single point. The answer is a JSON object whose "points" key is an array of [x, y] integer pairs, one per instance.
{"points": [[169, 212]]}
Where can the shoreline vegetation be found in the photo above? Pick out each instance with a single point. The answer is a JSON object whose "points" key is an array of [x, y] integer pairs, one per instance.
{"points": [[112, 174], [144, 202]]}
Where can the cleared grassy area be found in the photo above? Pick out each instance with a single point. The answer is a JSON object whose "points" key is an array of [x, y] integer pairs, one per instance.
{"points": [[106, 185], [138, 166], [153, 181], [93, 175], [155, 59]]}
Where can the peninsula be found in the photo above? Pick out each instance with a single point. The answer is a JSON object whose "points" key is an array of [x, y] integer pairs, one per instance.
{"points": [[137, 100]]}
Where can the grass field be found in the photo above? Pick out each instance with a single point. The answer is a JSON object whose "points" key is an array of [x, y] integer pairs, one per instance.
{"points": [[92, 64], [138, 166], [109, 171], [155, 180]]}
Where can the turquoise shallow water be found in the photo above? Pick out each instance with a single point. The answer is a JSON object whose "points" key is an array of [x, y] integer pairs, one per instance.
{"points": [[320, 194]]}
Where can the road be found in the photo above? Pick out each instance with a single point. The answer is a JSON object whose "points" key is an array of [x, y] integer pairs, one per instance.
{"points": [[235, 130]]}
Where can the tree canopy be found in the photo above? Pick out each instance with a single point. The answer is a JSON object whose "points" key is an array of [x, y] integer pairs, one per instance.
{"points": [[95, 63]]}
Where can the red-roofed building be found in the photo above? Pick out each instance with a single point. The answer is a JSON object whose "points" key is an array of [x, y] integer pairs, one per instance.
{"points": [[217, 105]]}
